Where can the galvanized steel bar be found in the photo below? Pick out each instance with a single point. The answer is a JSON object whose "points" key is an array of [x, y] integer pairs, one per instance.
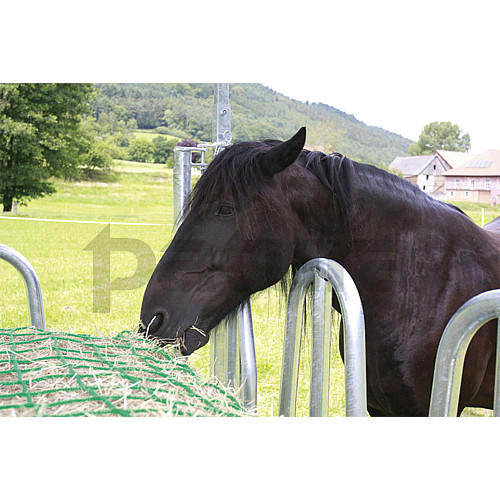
{"points": [[232, 350], [232, 374], [496, 396], [320, 366], [33, 288], [222, 116], [181, 181], [291, 347], [354, 337], [219, 351], [232, 353], [452, 349], [248, 362]]}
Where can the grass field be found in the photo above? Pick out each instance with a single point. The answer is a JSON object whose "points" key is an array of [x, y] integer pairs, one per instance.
{"points": [[150, 135], [138, 193]]}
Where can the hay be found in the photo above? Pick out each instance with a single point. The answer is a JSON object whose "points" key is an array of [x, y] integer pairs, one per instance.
{"points": [[44, 373]]}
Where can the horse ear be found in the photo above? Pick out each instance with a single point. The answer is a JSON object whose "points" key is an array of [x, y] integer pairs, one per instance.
{"points": [[283, 155]]}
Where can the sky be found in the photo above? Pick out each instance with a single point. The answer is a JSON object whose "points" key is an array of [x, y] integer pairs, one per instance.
{"points": [[407, 65], [397, 65]]}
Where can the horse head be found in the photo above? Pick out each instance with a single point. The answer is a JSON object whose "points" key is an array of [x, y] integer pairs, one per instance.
{"points": [[235, 239]]}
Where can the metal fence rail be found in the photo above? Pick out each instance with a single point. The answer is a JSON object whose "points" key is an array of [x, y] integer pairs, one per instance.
{"points": [[232, 350], [452, 349], [324, 274], [232, 353], [31, 281]]}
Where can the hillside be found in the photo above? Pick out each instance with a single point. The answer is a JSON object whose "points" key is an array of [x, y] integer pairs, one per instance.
{"points": [[258, 112]]}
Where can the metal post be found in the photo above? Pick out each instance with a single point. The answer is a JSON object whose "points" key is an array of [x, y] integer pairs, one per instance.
{"points": [[219, 352], [354, 340], [320, 366], [222, 116], [31, 281], [232, 353], [181, 181], [248, 362], [233, 364], [451, 353]]}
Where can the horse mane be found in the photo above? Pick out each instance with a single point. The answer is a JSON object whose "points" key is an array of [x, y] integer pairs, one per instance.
{"points": [[234, 175]]}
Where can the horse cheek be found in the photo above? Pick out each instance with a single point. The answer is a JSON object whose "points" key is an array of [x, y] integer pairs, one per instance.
{"points": [[269, 262]]}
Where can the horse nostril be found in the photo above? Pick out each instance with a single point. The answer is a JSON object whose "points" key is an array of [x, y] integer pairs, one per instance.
{"points": [[155, 323]]}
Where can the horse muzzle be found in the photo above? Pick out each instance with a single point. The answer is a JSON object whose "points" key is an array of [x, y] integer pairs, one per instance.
{"points": [[188, 339]]}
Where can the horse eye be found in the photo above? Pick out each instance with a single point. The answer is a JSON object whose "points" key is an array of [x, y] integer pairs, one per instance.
{"points": [[225, 211]]}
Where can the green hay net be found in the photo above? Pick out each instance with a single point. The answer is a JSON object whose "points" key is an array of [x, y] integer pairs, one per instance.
{"points": [[47, 373]]}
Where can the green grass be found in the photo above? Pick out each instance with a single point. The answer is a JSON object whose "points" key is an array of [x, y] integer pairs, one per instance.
{"points": [[135, 192], [150, 135], [473, 210]]}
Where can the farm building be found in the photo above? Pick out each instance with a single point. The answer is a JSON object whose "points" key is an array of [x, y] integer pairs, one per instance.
{"points": [[477, 179], [427, 171]]}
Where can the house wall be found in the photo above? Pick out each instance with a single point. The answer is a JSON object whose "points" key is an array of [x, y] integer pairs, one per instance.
{"points": [[468, 188], [479, 183], [411, 178], [462, 195], [426, 182], [484, 196], [431, 183], [436, 167]]}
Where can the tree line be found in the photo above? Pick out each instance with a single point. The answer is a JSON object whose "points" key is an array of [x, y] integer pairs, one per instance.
{"points": [[75, 130]]}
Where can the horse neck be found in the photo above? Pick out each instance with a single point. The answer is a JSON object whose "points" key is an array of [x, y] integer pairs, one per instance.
{"points": [[383, 209], [313, 216]]}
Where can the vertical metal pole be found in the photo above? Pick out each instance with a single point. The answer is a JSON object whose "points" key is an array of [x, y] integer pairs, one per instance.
{"points": [[222, 118], [248, 377], [219, 352], [321, 341], [181, 181], [496, 398], [224, 353], [238, 323], [291, 347], [33, 288], [232, 349]]}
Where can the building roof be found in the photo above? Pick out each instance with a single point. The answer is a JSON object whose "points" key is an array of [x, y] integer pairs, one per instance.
{"points": [[455, 159], [486, 164], [411, 165]]}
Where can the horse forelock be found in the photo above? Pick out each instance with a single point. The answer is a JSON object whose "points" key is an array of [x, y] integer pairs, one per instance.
{"points": [[232, 176]]}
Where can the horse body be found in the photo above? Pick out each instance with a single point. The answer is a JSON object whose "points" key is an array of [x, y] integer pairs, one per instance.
{"points": [[414, 260]]}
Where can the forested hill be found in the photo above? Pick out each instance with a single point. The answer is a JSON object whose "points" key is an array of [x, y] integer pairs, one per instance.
{"points": [[258, 112]]}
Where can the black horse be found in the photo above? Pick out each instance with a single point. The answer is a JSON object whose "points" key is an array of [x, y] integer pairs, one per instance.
{"points": [[263, 206]]}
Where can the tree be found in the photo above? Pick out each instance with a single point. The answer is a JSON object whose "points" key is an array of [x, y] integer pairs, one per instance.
{"points": [[163, 148], [440, 135], [141, 150], [40, 136]]}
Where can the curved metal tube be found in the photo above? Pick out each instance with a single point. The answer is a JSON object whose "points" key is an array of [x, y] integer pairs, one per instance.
{"points": [[452, 349], [354, 340], [31, 281]]}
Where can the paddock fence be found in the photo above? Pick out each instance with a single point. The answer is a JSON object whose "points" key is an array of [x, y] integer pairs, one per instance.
{"points": [[324, 275], [450, 357]]}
